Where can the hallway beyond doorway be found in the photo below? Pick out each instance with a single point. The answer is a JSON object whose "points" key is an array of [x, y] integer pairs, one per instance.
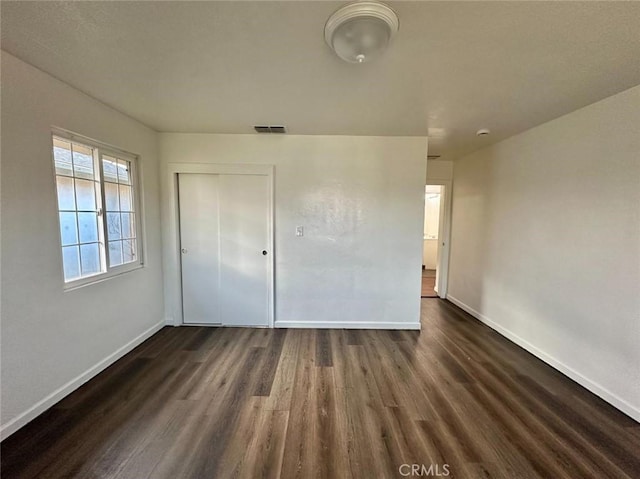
{"points": [[428, 283]]}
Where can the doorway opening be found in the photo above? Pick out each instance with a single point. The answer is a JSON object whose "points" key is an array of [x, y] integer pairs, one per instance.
{"points": [[432, 240]]}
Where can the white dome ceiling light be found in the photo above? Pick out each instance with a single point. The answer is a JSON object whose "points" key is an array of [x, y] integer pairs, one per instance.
{"points": [[359, 32]]}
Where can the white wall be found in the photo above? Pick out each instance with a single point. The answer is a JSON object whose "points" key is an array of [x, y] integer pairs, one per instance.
{"points": [[53, 340], [430, 254], [360, 200], [439, 170], [546, 244]]}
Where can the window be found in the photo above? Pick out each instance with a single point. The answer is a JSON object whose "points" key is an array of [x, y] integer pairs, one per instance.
{"points": [[99, 220]]}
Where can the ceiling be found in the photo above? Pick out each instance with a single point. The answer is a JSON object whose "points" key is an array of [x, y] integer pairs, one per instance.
{"points": [[222, 67]]}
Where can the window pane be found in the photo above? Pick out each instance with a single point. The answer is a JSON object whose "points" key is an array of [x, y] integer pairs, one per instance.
{"points": [[115, 253], [125, 198], [129, 252], [109, 169], [82, 161], [90, 259], [71, 262], [88, 227], [111, 196], [128, 225], [66, 200], [62, 157], [85, 195], [113, 226], [123, 172], [68, 231]]}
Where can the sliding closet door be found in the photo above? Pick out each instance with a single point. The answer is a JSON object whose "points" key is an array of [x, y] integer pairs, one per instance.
{"points": [[224, 228], [244, 235], [199, 241]]}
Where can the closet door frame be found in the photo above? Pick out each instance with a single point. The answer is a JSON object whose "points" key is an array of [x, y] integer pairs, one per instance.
{"points": [[172, 265]]}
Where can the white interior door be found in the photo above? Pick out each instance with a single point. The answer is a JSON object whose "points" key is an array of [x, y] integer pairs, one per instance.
{"points": [[224, 235]]}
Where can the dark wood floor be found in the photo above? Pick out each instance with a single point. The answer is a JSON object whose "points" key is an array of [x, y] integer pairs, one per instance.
{"points": [[429, 283], [217, 403]]}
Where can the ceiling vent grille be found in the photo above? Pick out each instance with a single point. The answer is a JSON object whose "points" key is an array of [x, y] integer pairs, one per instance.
{"points": [[270, 129], [433, 157]]}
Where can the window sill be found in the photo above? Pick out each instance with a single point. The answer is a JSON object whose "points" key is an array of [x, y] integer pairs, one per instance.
{"points": [[101, 277]]}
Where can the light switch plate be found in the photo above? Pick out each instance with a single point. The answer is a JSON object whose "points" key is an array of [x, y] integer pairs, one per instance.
{"points": [[299, 231]]}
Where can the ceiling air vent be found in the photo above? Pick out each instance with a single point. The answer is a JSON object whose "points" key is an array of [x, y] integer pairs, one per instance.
{"points": [[270, 129], [433, 157]]}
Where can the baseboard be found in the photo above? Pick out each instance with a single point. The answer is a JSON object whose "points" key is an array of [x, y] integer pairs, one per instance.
{"points": [[592, 386], [345, 325], [170, 321], [34, 411]]}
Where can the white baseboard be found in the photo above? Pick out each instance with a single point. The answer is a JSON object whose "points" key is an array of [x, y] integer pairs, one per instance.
{"points": [[345, 325], [592, 386], [34, 411], [170, 321]]}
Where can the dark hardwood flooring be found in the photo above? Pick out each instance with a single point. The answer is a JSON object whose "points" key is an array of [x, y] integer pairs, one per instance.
{"points": [[429, 283], [217, 403]]}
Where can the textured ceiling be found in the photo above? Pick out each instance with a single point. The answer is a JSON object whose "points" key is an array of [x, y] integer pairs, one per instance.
{"points": [[222, 67]]}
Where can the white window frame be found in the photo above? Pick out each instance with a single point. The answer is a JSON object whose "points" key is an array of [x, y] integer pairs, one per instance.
{"points": [[101, 150]]}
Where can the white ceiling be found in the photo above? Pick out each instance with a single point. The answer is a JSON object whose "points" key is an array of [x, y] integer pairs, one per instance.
{"points": [[222, 67]]}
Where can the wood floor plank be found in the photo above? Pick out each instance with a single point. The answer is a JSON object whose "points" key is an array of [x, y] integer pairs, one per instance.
{"points": [[302, 438], [205, 403], [282, 387], [145, 456], [403, 376], [263, 458], [232, 461], [339, 347], [271, 359], [323, 348], [333, 459], [367, 428]]}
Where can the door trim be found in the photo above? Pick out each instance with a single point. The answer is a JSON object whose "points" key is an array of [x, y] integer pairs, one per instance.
{"points": [[172, 266], [444, 235]]}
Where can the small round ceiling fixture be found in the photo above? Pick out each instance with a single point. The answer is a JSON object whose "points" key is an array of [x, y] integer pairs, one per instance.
{"points": [[360, 32], [483, 132]]}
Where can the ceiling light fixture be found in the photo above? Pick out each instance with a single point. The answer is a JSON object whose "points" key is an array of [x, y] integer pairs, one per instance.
{"points": [[483, 132], [359, 32]]}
